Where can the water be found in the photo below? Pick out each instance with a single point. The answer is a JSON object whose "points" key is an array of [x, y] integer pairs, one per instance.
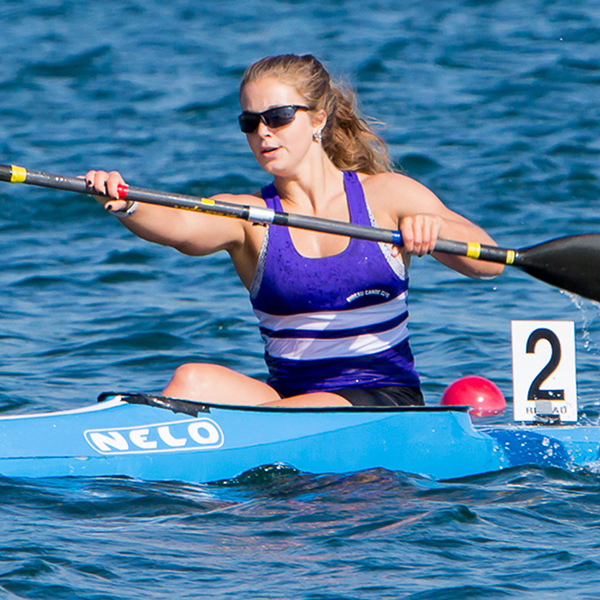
{"points": [[491, 104]]}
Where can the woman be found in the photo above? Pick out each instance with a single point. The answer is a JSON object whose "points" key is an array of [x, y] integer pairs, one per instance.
{"points": [[332, 311]]}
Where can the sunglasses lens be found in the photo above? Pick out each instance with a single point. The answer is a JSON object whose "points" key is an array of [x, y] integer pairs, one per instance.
{"points": [[280, 116], [249, 122]]}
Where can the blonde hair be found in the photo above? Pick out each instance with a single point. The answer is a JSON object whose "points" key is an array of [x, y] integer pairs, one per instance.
{"points": [[348, 138]]}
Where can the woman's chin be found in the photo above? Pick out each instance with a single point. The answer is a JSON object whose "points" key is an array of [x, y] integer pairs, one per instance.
{"points": [[275, 167]]}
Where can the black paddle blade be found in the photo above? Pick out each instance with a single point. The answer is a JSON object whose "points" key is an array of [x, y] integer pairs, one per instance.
{"points": [[571, 263]]}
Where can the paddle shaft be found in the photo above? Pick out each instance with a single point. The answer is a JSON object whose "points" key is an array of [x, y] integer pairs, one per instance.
{"points": [[254, 214]]}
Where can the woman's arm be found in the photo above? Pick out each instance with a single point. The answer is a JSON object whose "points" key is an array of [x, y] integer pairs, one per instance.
{"points": [[189, 232], [422, 218]]}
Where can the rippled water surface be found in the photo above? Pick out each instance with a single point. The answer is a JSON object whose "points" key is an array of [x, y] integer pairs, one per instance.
{"points": [[494, 105]]}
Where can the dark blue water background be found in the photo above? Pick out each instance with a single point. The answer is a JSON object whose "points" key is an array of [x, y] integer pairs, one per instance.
{"points": [[494, 105]]}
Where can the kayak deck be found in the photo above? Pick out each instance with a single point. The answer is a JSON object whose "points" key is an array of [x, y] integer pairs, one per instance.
{"points": [[156, 438]]}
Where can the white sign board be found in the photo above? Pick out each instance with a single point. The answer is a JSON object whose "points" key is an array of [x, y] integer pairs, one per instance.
{"points": [[544, 381]]}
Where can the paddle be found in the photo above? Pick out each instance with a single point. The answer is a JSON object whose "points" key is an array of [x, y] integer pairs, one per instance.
{"points": [[571, 263]]}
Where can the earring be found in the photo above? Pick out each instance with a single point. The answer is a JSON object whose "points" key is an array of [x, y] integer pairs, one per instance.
{"points": [[318, 137]]}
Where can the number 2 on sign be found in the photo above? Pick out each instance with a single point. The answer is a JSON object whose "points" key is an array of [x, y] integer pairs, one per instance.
{"points": [[544, 369], [535, 393]]}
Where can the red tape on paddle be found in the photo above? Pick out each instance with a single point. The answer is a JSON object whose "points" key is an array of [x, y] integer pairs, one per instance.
{"points": [[122, 191]]}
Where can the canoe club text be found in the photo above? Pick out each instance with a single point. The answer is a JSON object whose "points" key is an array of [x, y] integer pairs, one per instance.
{"points": [[189, 434]]}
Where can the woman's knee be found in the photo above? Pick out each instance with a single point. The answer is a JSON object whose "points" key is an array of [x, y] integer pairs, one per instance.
{"points": [[196, 376], [216, 384]]}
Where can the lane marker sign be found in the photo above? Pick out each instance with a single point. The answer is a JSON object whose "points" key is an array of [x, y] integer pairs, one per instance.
{"points": [[544, 372]]}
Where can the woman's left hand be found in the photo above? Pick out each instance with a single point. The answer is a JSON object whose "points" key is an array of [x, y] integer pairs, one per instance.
{"points": [[419, 234]]}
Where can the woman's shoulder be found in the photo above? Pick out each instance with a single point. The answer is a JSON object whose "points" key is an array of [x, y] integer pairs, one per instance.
{"points": [[391, 185], [255, 198]]}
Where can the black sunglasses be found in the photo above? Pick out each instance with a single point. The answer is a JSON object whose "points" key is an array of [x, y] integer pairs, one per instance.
{"points": [[274, 117]]}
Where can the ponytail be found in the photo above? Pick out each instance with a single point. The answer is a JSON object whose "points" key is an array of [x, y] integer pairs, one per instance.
{"points": [[348, 139]]}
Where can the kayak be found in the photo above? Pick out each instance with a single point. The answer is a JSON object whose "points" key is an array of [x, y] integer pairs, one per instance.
{"points": [[156, 438], [163, 439]]}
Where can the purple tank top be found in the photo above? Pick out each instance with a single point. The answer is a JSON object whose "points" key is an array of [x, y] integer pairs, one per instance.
{"points": [[334, 322]]}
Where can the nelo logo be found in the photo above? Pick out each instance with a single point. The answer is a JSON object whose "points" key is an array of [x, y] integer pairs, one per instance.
{"points": [[190, 434]]}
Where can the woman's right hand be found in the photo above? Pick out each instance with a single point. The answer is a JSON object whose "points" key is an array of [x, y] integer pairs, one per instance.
{"points": [[107, 184]]}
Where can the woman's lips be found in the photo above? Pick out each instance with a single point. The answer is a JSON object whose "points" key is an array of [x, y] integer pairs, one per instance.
{"points": [[268, 151]]}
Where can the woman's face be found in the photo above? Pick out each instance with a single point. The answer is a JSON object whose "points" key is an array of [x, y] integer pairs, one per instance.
{"points": [[278, 150]]}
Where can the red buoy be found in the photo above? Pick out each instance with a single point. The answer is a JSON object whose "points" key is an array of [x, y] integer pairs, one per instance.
{"points": [[482, 394]]}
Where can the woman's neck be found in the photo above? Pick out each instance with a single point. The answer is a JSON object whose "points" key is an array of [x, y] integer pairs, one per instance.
{"points": [[310, 189]]}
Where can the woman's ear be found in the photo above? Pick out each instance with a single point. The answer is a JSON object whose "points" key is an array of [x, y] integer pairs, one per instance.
{"points": [[319, 119]]}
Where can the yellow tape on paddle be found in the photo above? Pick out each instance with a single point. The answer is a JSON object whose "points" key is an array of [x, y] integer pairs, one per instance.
{"points": [[17, 174], [473, 250]]}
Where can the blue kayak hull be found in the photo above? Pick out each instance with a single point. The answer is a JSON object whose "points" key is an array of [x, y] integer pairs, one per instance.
{"points": [[206, 443]]}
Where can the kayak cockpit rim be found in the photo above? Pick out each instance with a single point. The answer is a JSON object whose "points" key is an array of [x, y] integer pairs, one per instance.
{"points": [[191, 407]]}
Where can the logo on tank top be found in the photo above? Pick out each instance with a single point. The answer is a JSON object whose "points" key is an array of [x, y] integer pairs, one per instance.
{"points": [[363, 293]]}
